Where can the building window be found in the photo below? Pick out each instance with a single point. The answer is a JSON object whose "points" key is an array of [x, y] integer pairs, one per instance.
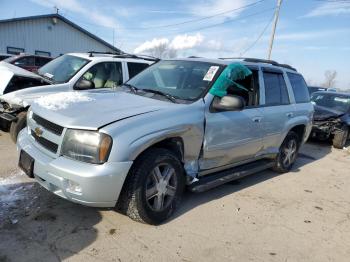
{"points": [[14, 50], [42, 53]]}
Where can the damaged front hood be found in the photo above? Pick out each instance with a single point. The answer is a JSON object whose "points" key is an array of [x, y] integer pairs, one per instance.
{"points": [[92, 110], [324, 113]]}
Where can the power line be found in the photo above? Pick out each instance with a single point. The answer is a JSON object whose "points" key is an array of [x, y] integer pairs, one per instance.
{"points": [[230, 20], [174, 24], [200, 19], [259, 37]]}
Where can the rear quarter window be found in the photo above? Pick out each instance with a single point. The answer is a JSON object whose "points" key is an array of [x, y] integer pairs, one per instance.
{"points": [[300, 89]]}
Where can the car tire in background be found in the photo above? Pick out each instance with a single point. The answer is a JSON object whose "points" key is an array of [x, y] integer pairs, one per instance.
{"points": [[18, 125], [340, 137], [153, 188], [288, 153]]}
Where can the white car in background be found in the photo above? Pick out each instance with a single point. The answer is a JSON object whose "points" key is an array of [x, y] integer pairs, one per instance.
{"points": [[13, 78], [69, 72]]}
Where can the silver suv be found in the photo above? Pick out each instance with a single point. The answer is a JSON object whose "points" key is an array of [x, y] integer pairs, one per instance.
{"points": [[194, 123]]}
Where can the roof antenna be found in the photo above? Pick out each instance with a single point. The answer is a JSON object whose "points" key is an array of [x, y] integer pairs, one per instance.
{"points": [[56, 9]]}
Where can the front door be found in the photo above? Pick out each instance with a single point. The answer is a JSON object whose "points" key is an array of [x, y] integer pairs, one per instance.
{"points": [[234, 136], [231, 137]]}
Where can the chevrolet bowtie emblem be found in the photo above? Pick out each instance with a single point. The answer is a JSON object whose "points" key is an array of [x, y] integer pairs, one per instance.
{"points": [[38, 131]]}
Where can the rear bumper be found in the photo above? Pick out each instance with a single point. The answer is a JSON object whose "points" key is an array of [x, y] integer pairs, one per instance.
{"points": [[99, 185]]}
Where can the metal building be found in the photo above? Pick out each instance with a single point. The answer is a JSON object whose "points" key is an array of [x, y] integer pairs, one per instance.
{"points": [[48, 35]]}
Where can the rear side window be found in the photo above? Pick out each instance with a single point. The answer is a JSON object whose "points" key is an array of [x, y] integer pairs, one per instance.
{"points": [[299, 87], [135, 68], [275, 89], [21, 82]]}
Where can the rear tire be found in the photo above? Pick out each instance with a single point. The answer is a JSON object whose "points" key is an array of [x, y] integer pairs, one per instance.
{"points": [[17, 126], [288, 153], [340, 137], [153, 188]]}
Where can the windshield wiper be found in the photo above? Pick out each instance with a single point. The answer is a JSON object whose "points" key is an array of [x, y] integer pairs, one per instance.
{"points": [[132, 88], [168, 96]]}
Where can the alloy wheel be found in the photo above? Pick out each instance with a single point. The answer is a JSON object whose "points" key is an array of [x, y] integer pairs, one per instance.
{"points": [[161, 187], [289, 153]]}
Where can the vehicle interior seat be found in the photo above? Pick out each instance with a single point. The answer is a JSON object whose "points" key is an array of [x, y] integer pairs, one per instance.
{"points": [[101, 75], [114, 79]]}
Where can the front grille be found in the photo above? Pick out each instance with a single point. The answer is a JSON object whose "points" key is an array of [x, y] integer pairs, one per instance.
{"points": [[45, 143], [56, 129]]}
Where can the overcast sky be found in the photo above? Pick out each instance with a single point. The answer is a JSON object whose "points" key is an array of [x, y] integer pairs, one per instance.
{"points": [[312, 35]]}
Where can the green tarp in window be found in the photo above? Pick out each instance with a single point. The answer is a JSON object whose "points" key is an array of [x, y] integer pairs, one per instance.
{"points": [[232, 73]]}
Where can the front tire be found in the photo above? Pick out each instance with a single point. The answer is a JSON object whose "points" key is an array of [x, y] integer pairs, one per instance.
{"points": [[340, 137], [17, 126], [153, 188], [288, 153]]}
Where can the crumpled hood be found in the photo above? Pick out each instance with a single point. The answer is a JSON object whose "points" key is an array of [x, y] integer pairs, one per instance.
{"points": [[92, 110], [324, 113]]}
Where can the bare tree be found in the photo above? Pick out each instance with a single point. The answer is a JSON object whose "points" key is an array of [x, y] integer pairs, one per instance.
{"points": [[162, 50], [310, 82], [330, 76]]}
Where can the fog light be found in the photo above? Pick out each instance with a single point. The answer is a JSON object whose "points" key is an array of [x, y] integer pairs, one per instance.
{"points": [[73, 187]]}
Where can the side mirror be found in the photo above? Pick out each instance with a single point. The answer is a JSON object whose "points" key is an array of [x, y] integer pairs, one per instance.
{"points": [[228, 103], [84, 84]]}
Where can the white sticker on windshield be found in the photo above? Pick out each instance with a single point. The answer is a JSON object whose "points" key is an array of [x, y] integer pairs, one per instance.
{"points": [[211, 73]]}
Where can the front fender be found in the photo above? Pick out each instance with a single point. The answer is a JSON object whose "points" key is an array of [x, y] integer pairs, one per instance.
{"points": [[134, 135]]}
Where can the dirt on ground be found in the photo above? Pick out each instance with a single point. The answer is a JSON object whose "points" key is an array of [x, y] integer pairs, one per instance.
{"points": [[303, 215]]}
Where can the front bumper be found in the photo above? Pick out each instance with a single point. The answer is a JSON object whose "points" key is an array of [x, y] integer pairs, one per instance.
{"points": [[100, 185]]}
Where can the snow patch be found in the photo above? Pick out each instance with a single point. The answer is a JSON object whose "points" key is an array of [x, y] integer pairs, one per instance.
{"points": [[62, 100]]}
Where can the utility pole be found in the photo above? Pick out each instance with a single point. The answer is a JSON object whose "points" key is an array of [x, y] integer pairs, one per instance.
{"points": [[277, 12]]}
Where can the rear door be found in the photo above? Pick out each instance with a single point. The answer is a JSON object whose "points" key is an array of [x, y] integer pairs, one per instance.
{"points": [[277, 109]]}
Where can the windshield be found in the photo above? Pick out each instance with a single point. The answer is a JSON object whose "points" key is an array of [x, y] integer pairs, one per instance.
{"points": [[63, 68], [339, 103], [186, 80]]}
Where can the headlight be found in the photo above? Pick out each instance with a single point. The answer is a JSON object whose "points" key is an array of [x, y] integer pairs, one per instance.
{"points": [[87, 146]]}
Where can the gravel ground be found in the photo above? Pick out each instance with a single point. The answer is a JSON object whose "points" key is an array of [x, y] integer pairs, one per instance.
{"points": [[300, 216]]}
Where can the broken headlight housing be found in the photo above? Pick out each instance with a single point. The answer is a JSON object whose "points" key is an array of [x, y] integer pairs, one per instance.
{"points": [[86, 146]]}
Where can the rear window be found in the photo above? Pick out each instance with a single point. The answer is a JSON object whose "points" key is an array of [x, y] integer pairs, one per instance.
{"points": [[135, 68], [300, 90], [275, 89]]}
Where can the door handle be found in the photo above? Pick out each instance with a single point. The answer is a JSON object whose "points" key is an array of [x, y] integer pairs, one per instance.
{"points": [[290, 115], [257, 119]]}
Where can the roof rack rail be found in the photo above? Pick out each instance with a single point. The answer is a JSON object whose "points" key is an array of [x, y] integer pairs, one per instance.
{"points": [[193, 56], [101, 53], [124, 55], [259, 60]]}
